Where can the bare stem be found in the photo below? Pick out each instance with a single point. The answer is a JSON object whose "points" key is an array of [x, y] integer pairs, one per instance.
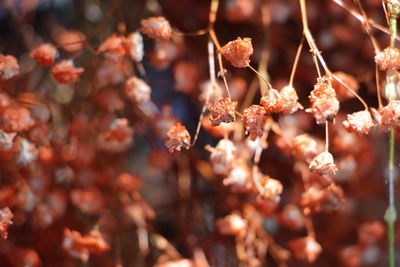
{"points": [[360, 18], [296, 62], [211, 31], [378, 86], [326, 136], [211, 64], [368, 28], [260, 75]]}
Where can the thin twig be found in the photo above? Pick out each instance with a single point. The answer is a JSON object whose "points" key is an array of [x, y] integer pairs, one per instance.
{"points": [[211, 64], [360, 18], [378, 86], [367, 28], [326, 136], [296, 62], [261, 76]]}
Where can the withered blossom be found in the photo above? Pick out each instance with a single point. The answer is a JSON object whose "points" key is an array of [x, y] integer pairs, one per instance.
{"points": [[81, 247], [44, 55], [65, 73], [6, 217], [9, 67], [323, 164], [157, 28], [178, 138], [238, 52], [222, 156], [324, 104], [272, 101], [388, 58], [316, 199], [223, 111], [137, 90], [254, 121], [359, 122]]}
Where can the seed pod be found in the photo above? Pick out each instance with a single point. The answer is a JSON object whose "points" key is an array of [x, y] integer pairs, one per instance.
{"points": [[178, 138], [44, 55], [254, 121], [324, 102], [157, 28], [238, 52], [223, 111], [323, 164], [359, 122]]}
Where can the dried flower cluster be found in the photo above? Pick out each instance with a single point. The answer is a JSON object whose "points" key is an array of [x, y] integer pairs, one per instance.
{"points": [[123, 149], [389, 58], [238, 52], [157, 28], [44, 55], [324, 102], [254, 121], [178, 138], [223, 111]]}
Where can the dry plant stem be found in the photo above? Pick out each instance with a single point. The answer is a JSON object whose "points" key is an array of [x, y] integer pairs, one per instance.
{"points": [[211, 65], [211, 31], [296, 62], [378, 86], [351, 90], [191, 34], [164, 245], [376, 48], [315, 51], [257, 154], [279, 254], [309, 225], [326, 136], [265, 54], [261, 77], [368, 28], [361, 19], [143, 240], [317, 66], [239, 114]]}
